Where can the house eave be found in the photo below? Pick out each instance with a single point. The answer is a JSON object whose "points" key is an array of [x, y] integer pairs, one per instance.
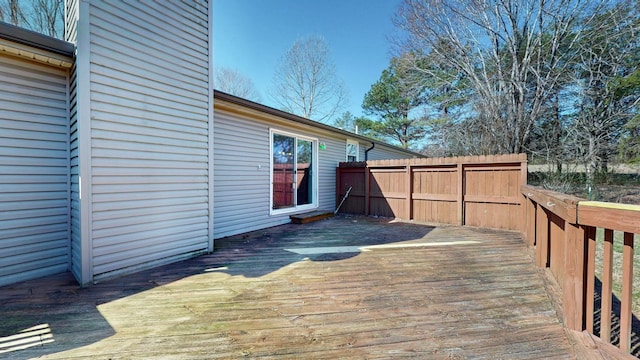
{"points": [[270, 112], [34, 46]]}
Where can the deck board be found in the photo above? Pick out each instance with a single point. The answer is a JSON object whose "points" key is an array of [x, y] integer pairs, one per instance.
{"points": [[437, 293]]}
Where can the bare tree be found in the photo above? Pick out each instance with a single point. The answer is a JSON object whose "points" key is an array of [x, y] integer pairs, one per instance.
{"points": [[305, 81], [43, 16], [235, 83], [12, 12], [47, 17], [607, 87], [509, 52]]}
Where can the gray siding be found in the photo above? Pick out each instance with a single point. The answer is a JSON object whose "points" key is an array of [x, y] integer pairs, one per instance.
{"points": [[383, 153], [75, 236], [34, 170], [150, 101], [140, 113], [379, 152], [242, 160], [71, 20], [241, 176], [334, 153], [78, 255]]}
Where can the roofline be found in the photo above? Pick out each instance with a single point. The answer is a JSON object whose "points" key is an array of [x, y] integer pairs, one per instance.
{"points": [[299, 119], [37, 40]]}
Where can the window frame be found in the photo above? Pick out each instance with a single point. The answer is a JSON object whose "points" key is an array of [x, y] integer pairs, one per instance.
{"points": [[357, 147]]}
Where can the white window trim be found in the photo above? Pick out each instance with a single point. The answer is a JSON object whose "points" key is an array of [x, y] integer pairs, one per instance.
{"points": [[314, 204], [346, 149]]}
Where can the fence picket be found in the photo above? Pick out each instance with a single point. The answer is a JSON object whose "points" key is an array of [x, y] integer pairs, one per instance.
{"points": [[485, 189]]}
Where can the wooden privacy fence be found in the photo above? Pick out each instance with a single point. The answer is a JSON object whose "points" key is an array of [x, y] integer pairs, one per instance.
{"points": [[475, 190], [563, 230]]}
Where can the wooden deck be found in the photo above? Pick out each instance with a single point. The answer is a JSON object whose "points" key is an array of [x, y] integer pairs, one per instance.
{"points": [[340, 288]]}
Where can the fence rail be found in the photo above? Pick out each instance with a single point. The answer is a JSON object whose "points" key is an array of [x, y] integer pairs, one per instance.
{"points": [[563, 230], [474, 190]]}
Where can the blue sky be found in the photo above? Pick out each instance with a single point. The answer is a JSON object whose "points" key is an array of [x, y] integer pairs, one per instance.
{"points": [[250, 36]]}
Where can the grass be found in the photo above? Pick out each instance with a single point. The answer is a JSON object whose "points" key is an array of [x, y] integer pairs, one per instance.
{"points": [[611, 187]]}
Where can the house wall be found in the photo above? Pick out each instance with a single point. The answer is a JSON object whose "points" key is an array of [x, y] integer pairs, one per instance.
{"points": [[75, 236], [242, 173], [34, 170], [242, 159], [141, 119], [75, 218], [380, 152]]}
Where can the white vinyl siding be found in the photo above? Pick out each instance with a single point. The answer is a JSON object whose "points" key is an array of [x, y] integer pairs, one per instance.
{"points": [[34, 170], [150, 104]]}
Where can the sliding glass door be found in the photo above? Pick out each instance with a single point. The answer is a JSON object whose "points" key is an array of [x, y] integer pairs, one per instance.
{"points": [[293, 172]]}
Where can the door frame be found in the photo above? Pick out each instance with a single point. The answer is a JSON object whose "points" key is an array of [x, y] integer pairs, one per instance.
{"points": [[314, 171]]}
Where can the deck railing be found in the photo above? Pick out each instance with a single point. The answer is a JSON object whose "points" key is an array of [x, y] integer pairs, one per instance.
{"points": [[483, 191], [563, 230]]}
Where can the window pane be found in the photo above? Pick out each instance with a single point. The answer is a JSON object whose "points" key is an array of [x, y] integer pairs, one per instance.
{"points": [[352, 151], [283, 171], [304, 180]]}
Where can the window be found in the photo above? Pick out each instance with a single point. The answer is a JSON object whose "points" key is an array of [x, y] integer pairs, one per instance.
{"points": [[293, 172], [353, 151]]}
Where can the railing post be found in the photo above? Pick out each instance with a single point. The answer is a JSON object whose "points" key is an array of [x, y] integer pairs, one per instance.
{"points": [[542, 237], [627, 293], [607, 285], [530, 221], [590, 278], [573, 290]]}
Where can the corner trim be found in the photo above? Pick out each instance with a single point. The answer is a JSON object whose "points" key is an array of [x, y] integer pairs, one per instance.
{"points": [[84, 141]]}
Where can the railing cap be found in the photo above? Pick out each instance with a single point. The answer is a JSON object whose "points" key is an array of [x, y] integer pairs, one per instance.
{"points": [[563, 205], [608, 205]]}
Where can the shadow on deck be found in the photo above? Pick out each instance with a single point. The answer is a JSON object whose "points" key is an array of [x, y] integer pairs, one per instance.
{"points": [[339, 288]]}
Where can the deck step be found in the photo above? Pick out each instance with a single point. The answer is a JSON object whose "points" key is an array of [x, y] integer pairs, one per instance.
{"points": [[311, 216]]}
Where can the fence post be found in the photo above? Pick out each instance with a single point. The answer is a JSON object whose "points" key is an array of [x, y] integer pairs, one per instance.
{"points": [[524, 201], [338, 184], [573, 291], [460, 194], [409, 190], [367, 189]]}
